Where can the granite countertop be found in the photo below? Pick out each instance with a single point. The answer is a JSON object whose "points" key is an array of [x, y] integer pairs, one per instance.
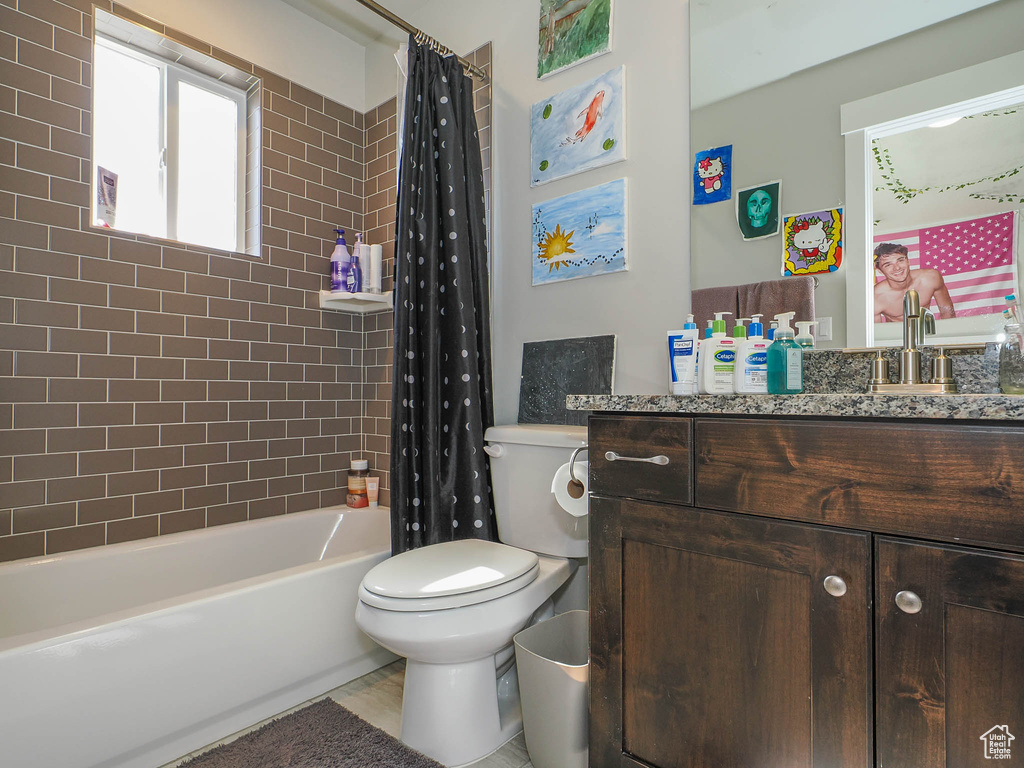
{"points": [[967, 406]]}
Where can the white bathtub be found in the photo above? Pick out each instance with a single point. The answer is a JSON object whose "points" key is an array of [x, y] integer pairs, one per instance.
{"points": [[137, 653]]}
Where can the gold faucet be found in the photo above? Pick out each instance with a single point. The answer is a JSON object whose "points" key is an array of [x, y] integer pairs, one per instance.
{"points": [[917, 323]]}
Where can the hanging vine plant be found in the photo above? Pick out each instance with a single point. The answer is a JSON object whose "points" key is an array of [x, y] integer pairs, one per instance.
{"points": [[904, 193]]}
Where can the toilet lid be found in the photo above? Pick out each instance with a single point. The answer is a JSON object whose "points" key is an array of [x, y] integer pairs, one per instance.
{"points": [[451, 568]]}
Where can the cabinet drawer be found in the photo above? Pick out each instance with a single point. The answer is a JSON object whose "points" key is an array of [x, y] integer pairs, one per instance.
{"points": [[633, 437], [955, 483]]}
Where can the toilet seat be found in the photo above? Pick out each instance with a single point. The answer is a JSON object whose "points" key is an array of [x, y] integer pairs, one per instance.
{"points": [[448, 575]]}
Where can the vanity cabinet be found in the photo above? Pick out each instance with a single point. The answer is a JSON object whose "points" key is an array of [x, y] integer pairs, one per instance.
{"points": [[743, 601]]}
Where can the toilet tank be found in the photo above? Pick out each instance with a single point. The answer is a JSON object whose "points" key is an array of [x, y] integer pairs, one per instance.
{"points": [[524, 458]]}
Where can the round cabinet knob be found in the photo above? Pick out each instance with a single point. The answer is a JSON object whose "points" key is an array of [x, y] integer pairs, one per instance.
{"points": [[835, 586], [908, 602]]}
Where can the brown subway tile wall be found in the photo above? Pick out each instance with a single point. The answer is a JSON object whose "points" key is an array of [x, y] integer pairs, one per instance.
{"points": [[149, 387], [381, 190]]}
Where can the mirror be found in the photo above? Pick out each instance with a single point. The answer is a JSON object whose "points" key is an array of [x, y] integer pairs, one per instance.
{"points": [[770, 80]]}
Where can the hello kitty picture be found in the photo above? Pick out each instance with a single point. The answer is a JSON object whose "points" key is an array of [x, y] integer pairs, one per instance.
{"points": [[813, 243], [712, 176]]}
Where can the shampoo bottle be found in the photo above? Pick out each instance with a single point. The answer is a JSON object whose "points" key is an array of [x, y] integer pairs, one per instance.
{"points": [[804, 337], [717, 360], [682, 358], [340, 263], [785, 360], [750, 377], [354, 279]]}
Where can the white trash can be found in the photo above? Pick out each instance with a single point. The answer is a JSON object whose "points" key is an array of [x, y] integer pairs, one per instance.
{"points": [[553, 663]]}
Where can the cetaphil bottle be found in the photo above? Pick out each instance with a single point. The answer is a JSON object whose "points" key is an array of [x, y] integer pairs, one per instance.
{"points": [[717, 360], [750, 377]]}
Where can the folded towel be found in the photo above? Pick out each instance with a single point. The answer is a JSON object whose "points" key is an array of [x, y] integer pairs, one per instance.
{"points": [[772, 297]]}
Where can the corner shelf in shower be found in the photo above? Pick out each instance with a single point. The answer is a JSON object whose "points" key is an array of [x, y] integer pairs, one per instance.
{"points": [[360, 303]]}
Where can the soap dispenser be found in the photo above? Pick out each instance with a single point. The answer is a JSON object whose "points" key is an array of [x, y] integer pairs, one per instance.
{"points": [[750, 376], [785, 360], [354, 279], [804, 338], [717, 360], [739, 331]]}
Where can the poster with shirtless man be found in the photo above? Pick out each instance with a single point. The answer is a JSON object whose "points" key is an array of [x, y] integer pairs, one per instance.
{"points": [[893, 261], [961, 268]]}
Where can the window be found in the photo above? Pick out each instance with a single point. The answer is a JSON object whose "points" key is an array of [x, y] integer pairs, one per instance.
{"points": [[169, 149]]}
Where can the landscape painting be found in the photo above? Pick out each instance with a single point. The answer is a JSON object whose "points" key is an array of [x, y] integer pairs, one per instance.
{"points": [[579, 129], [572, 31], [581, 234]]}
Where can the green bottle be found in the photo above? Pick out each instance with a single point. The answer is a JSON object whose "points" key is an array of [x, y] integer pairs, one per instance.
{"points": [[785, 360]]}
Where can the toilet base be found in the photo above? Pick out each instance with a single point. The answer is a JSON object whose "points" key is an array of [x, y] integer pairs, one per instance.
{"points": [[466, 699]]}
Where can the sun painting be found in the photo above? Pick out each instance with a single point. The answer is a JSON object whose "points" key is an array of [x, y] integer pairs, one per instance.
{"points": [[554, 245]]}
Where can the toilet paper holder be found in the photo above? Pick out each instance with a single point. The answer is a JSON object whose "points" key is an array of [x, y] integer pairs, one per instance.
{"points": [[575, 487]]}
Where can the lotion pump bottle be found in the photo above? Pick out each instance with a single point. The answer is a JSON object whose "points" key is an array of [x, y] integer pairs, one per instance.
{"points": [[750, 376], [804, 337], [354, 279], [717, 360], [739, 331], [785, 360]]}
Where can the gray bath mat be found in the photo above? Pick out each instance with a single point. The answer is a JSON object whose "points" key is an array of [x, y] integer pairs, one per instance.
{"points": [[322, 735]]}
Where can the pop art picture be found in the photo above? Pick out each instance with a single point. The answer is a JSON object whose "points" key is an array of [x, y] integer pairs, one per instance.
{"points": [[813, 243], [712, 175], [579, 129], [581, 234], [757, 210]]}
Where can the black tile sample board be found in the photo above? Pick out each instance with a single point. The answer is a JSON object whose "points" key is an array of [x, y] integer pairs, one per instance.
{"points": [[560, 367]]}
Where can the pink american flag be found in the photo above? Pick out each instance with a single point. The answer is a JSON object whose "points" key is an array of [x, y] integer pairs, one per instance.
{"points": [[976, 258]]}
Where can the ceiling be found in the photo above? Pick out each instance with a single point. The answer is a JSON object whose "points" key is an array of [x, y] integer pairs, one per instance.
{"points": [[736, 45], [971, 149], [359, 23]]}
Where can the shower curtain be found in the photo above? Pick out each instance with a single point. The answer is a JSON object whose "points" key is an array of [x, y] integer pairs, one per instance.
{"points": [[441, 397]]}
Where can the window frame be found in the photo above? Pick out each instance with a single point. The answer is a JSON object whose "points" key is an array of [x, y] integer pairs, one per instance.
{"points": [[172, 75]]}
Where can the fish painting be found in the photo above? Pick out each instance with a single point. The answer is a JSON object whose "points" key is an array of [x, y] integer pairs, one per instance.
{"points": [[593, 113], [579, 129]]}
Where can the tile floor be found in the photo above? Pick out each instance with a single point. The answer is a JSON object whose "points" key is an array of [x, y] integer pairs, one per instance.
{"points": [[377, 698]]}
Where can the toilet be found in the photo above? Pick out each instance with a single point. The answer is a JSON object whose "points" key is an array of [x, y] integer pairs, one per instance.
{"points": [[451, 609]]}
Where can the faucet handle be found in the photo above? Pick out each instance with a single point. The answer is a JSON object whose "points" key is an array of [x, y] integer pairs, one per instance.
{"points": [[879, 370], [942, 368]]}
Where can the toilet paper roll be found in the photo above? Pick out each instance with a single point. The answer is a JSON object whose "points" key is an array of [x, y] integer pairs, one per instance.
{"points": [[560, 487]]}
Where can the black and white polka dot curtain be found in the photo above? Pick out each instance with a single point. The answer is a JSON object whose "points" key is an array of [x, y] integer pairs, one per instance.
{"points": [[441, 400]]}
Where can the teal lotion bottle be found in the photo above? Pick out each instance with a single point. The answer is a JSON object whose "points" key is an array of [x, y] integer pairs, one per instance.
{"points": [[785, 360]]}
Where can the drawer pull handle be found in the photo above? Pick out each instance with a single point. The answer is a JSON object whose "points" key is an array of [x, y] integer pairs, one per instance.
{"points": [[908, 602], [660, 459], [835, 586]]}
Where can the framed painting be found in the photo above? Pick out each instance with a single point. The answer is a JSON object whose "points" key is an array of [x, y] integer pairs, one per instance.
{"points": [[578, 129], [571, 31], [581, 234]]}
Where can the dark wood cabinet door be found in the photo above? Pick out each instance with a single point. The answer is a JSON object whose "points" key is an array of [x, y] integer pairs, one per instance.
{"points": [[714, 643], [950, 676]]}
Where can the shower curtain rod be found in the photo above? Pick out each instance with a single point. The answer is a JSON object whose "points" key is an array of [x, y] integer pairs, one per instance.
{"points": [[422, 37]]}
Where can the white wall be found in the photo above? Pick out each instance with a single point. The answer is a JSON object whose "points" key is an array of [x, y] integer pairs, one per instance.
{"points": [[650, 37], [276, 37]]}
